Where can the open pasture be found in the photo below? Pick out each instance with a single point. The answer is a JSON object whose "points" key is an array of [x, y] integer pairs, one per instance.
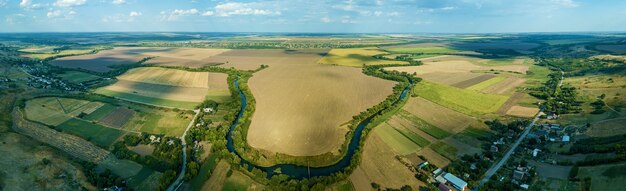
{"points": [[252, 59], [591, 86], [479, 79], [486, 83], [444, 149], [43, 56], [299, 116], [39, 49], [190, 57], [54, 111], [356, 57], [423, 125], [607, 128], [450, 65], [494, 44], [465, 101], [158, 122], [505, 86], [433, 157], [437, 115], [605, 177]]}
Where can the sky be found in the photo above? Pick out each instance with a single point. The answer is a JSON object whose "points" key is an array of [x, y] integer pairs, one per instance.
{"points": [[325, 16]]}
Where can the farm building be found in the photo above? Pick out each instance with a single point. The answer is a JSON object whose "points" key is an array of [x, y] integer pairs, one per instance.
{"points": [[565, 138], [443, 187], [535, 152], [440, 179], [518, 175], [455, 181]]}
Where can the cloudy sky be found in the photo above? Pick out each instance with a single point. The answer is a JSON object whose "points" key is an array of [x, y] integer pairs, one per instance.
{"points": [[352, 16]]}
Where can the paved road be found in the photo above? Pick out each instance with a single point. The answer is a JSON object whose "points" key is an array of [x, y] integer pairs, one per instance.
{"points": [[508, 154], [178, 182]]}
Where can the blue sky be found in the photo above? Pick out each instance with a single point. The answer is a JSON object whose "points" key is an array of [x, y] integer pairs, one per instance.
{"points": [[352, 16]]}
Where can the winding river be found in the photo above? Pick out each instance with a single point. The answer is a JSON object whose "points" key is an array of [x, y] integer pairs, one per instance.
{"points": [[296, 171]]}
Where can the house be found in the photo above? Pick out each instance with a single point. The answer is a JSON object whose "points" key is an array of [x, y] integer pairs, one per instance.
{"points": [[493, 148], [443, 187], [208, 110], [437, 172], [440, 179], [518, 175], [422, 165], [535, 152], [524, 186], [456, 182], [565, 138]]}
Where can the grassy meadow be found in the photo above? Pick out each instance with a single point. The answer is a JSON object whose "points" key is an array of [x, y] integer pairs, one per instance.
{"points": [[465, 101]]}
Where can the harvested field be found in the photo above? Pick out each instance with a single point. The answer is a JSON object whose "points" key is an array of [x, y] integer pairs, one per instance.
{"points": [[356, 57], [173, 77], [378, 164], [505, 86], [218, 177], [189, 57], [437, 115], [464, 101], [607, 128], [302, 117], [147, 100], [398, 142], [520, 111], [400, 122], [473, 81], [100, 112], [117, 118], [143, 150], [510, 103], [101, 61], [423, 125], [159, 91], [616, 49], [433, 157], [253, 59]]}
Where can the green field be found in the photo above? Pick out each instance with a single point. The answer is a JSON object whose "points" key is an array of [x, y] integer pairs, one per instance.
{"points": [[78, 77], [465, 101], [605, 177], [43, 56], [205, 172], [477, 133], [422, 50], [54, 111], [423, 125], [482, 85], [100, 112], [95, 133], [237, 182], [158, 122], [147, 100], [414, 137], [398, 142], [444, 150]]}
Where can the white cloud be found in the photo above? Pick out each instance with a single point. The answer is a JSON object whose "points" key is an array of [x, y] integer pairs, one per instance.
{"points": [[173, 15], [134, 14], [54, 13], [326, 20], [565, 3], [234, 8], [118, 2], [393, 14], [3, 3], [448, 8], [378, 13], [69, 3], [346, 6], [25, 3], [208, 13]]}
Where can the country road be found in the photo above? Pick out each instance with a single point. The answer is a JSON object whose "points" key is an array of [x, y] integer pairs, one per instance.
{"points": [[176, 184], [508, 154]]}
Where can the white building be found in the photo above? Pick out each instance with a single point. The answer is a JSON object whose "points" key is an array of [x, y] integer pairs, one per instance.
{"points": [[458, 183]]}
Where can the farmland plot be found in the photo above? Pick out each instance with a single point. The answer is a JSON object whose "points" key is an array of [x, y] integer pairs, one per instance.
{"points": [[302, 117], [464, 101], [437, 115], [356, 57], [117, 118]]}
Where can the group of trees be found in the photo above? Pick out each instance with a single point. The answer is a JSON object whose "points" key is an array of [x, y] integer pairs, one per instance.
{"points": [[164, 157], [101, 180]]}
